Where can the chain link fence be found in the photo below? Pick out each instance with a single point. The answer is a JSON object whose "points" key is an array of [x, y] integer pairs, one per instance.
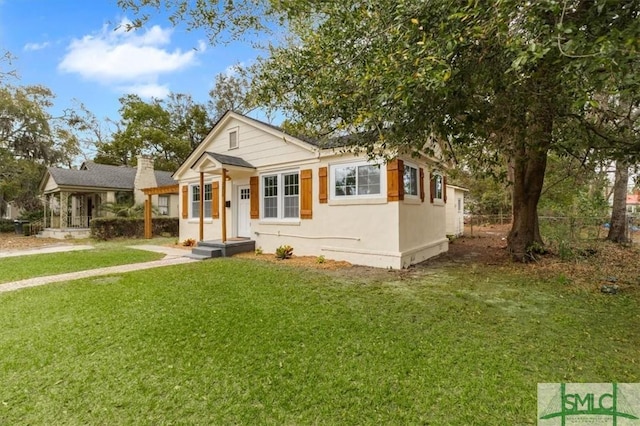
{"points": [[556, 229]]}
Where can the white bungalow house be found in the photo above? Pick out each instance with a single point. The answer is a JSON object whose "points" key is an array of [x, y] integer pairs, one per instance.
{"points": [[248, 180], [72, 198], [455, 210]]}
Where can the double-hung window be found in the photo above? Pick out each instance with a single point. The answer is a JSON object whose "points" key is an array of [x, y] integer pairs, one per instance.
{"points": [[195, 200], [163, 205], [410, 179], [356, 180], [281, 196]]}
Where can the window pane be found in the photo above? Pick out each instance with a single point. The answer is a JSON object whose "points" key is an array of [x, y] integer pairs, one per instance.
{"points": [[369, 179], [291, 197], [163, 205], [207, 200], [345, 181], [438, 185], [410, 180], [270, 188], [195, 201]]}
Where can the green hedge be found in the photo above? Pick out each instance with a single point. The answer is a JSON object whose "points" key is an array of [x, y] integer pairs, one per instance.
{"points": [[6, 225], [106, 228]]}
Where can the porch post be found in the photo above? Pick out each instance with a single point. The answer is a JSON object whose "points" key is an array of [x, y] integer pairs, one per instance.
{"points": [[148, 230], [45, 197], [64, 210], [224, 205], [201, 222]]}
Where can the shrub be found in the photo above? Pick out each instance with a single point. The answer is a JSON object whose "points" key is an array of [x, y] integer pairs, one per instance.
{"points": [[320, 259], [106, 228], [189, 242], [6, 225], [258, 251], [284, 252]]}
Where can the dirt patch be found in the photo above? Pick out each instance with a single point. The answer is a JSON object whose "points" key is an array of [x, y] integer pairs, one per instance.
{"points": [[316, 262], [12, 242]]}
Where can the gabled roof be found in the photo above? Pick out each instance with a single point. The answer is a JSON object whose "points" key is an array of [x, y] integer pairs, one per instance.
{"points": [[196, 155], [229, 160], [94, 175]]}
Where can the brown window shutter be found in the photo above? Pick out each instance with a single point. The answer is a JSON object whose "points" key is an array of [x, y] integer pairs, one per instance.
{"points": [[322, 178], [444, 189], [432, 186], [421, 184], [215, 199], [254, 197], [395, 181], [185, 201], [306, 194]]}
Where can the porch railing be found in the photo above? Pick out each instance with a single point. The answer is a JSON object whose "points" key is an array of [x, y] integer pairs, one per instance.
{"points": [[72, 222]]}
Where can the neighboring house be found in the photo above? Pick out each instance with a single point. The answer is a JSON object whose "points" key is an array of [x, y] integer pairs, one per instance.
{"points": [[250, 180], [455, 210], [73, 197], [633, 204], [10, 210]]}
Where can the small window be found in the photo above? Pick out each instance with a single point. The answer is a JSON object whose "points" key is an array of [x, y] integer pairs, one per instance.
{"points": [[437, 186], [410, 180], [233, 139], [163, 205]]}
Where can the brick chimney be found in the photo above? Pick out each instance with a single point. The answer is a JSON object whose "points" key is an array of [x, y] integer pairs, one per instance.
{"points": [[145, 178]]}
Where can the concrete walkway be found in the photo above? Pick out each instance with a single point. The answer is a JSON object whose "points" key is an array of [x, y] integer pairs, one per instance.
{"points": [[47, 249], [173, 257]]}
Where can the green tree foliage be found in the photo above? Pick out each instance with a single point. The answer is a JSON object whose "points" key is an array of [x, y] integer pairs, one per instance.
{"points": [[30, 140], [230, 93], [166, 130], [481, 77]]}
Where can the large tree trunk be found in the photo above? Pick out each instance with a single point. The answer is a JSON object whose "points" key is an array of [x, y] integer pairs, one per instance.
{"points": [[618, 232], [525, 240], [529, 166]]}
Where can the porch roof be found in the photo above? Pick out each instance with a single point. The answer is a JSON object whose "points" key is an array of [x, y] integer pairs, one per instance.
{"points": [[214, 162]]}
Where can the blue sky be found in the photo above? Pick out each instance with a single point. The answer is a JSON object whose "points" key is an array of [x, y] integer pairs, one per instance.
{"points": [[74, 48]]}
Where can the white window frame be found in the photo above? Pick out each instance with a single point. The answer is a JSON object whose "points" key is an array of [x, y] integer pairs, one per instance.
{"points": [[280, 196], [195, 213], [235, 131], [332, 181], [417, 188], [437, 175], [165, 198]]}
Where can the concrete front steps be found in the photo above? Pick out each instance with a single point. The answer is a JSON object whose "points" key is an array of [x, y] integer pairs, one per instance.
{"points": [[216, 248]]}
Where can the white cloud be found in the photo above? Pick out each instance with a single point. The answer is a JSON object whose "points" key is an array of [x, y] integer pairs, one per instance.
{"points": [[135, 58], [150, 90], [36, 46]]}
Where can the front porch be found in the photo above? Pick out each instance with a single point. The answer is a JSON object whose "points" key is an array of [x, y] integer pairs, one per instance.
{"points": [[216, 248]]}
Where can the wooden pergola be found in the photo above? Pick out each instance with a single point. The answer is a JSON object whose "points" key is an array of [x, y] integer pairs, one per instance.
{"points": [[148, 211]]}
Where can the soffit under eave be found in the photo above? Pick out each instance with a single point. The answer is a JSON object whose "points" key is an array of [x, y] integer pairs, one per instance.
{"points": [[84, 189]]}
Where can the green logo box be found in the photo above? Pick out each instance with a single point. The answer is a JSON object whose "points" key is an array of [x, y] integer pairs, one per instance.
{"points": [[565, 404]]}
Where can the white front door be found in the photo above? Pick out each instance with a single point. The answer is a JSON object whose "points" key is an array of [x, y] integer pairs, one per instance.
{"points": [[243, 212]]}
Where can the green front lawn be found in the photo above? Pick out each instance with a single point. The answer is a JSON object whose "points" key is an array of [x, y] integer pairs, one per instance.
{"points": [[236, 341], [38, 265]]}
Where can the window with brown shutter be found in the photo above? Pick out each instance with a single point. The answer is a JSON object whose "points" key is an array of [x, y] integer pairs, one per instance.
{"points": [[432, 187], [185, 201], [254, 197], [216, 200], [322, 185], [421, 184], [395, 184], [306, 194], [444, 189]]}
